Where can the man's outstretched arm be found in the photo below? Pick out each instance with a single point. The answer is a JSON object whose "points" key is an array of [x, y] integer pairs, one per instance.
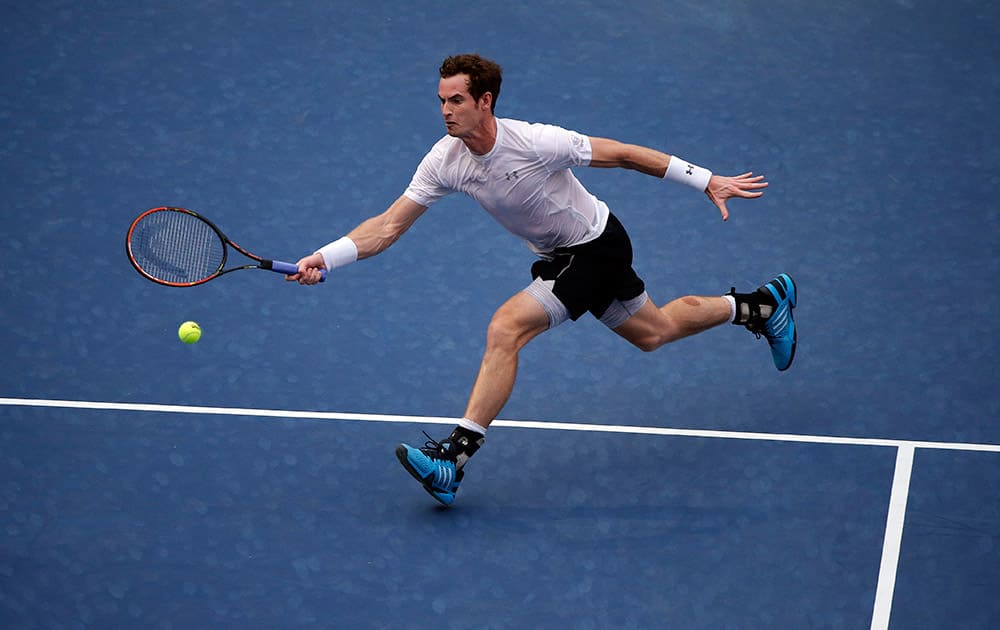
{"points": [[373, 236], [607, 153]]}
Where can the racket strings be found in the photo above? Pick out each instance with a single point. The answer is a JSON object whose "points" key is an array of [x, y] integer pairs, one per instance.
{"points": [[177, 247]]}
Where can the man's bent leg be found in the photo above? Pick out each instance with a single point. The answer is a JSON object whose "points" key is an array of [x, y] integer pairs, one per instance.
{"points": [[438, 466], [651, 327], [518, 321]]}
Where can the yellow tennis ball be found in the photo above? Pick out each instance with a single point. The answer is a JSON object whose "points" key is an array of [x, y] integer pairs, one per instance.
{"points": [[189, 332]]}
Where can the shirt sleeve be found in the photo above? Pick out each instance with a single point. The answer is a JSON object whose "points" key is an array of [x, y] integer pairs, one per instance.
{"points": [[560, 148], [426, 187]]}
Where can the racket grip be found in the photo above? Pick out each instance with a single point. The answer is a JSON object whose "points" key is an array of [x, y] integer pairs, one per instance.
{"points": [[288, 269]]}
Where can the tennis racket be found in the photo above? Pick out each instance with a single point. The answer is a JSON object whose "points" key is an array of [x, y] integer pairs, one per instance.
{"points": [[180, 248]]}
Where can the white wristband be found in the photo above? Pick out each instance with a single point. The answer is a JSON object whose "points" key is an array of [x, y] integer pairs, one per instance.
{"points": [[683, 172], [341, 252]]}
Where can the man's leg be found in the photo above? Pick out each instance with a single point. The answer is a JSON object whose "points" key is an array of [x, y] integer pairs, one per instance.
{"points": [[766, 312], [438, 465], [517, 322], [651, 327]]}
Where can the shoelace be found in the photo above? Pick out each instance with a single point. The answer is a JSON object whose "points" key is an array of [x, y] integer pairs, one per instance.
{"points": [[756, 324], [434, 449]]}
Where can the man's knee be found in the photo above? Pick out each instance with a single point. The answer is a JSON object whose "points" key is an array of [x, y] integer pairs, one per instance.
{"points": [[649, 343], [647, 329], [512, 325], [503, 332]]}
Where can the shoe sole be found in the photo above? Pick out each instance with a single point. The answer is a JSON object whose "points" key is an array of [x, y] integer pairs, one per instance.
{"points": [[401, 455]]}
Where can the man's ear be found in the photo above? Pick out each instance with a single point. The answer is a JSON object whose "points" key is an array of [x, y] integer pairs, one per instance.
{"points": [[486, 101]]}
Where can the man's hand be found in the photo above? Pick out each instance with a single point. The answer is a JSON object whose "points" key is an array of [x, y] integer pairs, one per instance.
{"points": [[309, 270], [721, 188]]}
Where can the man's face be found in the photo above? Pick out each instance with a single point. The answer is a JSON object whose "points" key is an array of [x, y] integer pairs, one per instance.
{"points": [[462, 114]]}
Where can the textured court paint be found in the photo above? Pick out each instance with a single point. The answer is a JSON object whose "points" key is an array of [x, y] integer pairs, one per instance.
{"points": [[130, 519], [266, 116], [893, 538], [949, 565]]}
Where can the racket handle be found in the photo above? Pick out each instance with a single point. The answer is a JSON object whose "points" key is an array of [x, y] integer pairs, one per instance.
{"points": [[288, 269]]}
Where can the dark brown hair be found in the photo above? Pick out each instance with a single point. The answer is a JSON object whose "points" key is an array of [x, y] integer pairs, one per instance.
{"points": [[484, 75]]}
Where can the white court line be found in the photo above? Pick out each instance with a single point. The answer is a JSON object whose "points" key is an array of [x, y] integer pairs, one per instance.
{"points": [[522, 424], [893, 538]]}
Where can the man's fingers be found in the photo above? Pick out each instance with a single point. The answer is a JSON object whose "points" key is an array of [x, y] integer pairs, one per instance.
{"points": [[746, 186], [310, 276], [306, 275]]}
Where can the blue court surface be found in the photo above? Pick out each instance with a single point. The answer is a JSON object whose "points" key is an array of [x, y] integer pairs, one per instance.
{"points": [[249, 481]]}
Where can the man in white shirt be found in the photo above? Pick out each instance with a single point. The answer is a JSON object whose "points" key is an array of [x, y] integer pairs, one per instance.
{"points": [[521, 175]]}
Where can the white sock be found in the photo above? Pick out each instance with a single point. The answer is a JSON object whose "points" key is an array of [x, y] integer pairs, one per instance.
{"points": [[732, 307], [469, 425]]}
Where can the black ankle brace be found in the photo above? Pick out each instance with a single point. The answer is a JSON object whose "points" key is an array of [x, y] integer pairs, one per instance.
{"points": [[465, 443], [753, 309]]}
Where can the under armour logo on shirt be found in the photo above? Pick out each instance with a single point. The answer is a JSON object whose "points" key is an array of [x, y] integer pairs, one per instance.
{"points": [[511, 175]]}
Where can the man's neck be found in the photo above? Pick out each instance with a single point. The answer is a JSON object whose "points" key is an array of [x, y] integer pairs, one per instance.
{"points": [[482, 140]]}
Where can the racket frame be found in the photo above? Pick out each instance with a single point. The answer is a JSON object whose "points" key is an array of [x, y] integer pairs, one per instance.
{"points": [[261, 263]]}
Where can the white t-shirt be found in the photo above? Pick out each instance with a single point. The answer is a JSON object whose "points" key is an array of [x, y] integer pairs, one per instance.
{"points": [[524, 182]]}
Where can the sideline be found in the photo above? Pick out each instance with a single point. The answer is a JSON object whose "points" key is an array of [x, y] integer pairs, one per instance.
{"points": [[520, 424]]}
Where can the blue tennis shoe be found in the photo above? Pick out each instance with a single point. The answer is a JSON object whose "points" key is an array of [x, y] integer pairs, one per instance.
{"points": [[434, 467], [779, 328]]}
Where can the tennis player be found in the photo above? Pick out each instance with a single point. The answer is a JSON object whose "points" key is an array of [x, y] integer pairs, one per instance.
{"points": [[521, 175]]}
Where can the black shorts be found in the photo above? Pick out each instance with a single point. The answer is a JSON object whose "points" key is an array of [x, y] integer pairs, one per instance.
{"points": [[589, 277]]}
